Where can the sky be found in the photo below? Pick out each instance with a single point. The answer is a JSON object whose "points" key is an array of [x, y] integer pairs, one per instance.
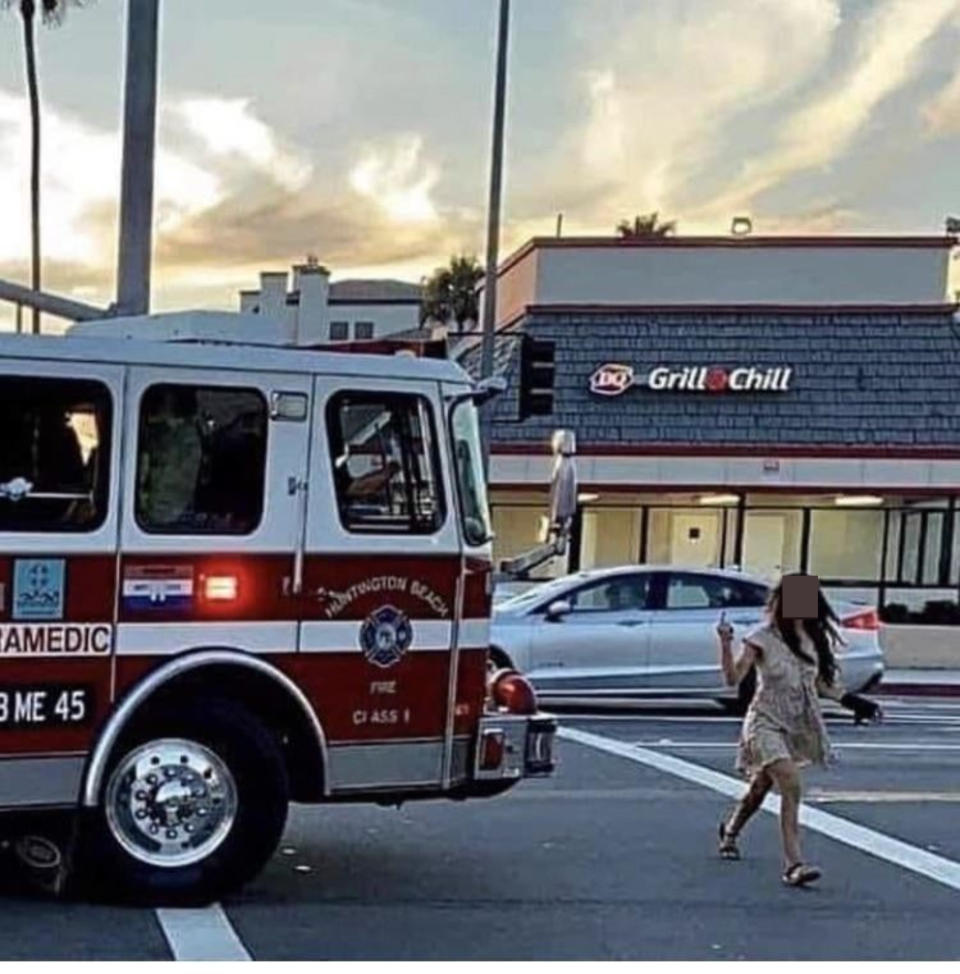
{"points": [[359, 130]]}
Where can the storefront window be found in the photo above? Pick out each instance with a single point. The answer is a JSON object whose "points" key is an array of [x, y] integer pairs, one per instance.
{"points": [[687, 536], [955, 557], [771, 542], [910, 526], [893, 546], [611, 537], [516, 528], [732, 517], [932, 547], [846, 544]]}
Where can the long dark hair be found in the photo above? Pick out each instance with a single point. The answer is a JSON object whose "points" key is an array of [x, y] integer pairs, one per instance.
{"points": [[823, 632]]}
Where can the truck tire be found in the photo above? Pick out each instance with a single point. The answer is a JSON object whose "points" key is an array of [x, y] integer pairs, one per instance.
{"points": [[194, 804]]}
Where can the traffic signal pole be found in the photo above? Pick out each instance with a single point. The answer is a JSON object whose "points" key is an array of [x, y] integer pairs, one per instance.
{"points": [[493, 226]]}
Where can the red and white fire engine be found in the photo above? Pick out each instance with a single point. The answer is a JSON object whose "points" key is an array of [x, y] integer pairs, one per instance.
{"points": [[235, 574]]}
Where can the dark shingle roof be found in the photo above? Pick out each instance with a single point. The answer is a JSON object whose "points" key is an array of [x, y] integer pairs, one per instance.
{"points": [[364, 291]]}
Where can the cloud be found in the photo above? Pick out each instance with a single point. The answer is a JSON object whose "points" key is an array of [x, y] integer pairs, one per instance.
{"points": [[666, 81], [229, 132], [397, 180], [942, 113], [281, 226], [80, 176], [886, 56]]}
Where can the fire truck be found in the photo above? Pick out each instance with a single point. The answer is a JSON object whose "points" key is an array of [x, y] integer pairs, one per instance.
{"points": [[235, 574]]}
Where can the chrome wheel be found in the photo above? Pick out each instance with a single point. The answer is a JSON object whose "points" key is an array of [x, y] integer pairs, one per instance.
{"points": [[171, 802]]}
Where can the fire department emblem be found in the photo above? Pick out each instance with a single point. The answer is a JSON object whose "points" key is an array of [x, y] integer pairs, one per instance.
{"points": [[385, 636]]}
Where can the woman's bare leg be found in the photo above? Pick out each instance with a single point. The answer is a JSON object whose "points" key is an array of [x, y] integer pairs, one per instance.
{"points": [[786, 777], [760, 785]]}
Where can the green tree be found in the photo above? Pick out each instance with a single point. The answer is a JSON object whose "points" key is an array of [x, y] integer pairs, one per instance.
{"points": [[53, 12], [450, 293], [646, 225]]}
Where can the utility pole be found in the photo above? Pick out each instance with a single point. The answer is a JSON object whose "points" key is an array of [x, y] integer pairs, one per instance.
{"points": [[493, 224], [139, 137]]}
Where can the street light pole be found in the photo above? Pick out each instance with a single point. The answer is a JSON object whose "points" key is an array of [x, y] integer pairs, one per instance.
{"points": [[493, 224], [139, 137]]}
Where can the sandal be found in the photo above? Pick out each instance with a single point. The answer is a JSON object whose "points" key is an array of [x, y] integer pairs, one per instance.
{"points": [[799, 875], [728, 843]]}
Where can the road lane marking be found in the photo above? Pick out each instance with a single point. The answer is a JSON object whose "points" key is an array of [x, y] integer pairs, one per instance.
{"points": [[837, 745], [833, 717], [877, 844], [881, 797], [201, 934]]}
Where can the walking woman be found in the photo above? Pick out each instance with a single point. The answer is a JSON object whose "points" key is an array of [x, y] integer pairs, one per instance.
{"points": [[784, 730]]}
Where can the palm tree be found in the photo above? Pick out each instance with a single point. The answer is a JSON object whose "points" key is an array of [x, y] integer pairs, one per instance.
{"points": [[450, 293], [53, 12], [647, 225]]}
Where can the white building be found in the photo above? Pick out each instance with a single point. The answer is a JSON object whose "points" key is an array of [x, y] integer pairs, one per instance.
{"points": [[316, 310], [723, 272]]}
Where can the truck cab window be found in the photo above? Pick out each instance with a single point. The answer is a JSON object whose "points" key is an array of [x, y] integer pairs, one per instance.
{"points": [[201, 460], [468, 461], [54, 454], [383, 450]]}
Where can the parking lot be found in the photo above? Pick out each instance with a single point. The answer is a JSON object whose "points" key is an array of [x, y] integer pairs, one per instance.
{"points": [[612, 858]]}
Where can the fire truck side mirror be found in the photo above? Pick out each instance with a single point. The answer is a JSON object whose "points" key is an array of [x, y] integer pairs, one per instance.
{"points": [[482, 391], [490, 388]]}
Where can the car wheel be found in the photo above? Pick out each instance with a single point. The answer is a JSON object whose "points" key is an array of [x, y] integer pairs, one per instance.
{"points": [[193, 805]]}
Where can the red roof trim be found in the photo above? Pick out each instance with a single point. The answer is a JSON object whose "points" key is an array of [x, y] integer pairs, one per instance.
{"points": [[530, 488], [766, 451]]}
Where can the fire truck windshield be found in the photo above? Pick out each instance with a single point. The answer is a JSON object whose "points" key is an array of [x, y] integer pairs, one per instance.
{"points": [[465, 435]]}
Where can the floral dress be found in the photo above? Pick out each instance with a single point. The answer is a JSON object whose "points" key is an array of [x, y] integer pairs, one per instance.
{"points": [[784, 719]]}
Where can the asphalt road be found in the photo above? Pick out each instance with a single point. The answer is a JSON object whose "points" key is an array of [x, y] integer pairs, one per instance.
{"points": [[614, 857]]}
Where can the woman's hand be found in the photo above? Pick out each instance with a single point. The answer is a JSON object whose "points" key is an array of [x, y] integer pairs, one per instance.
{"points": [[724, 631]]}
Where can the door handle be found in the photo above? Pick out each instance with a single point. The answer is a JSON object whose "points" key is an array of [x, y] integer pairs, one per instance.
{"points": [[633, 622]]}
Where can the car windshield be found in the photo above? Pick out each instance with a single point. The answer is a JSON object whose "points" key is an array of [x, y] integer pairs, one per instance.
{"points": [[535, 594]]}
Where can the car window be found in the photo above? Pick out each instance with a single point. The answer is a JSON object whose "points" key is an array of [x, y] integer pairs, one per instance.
{"points": [[688, 590], [618, 594]]}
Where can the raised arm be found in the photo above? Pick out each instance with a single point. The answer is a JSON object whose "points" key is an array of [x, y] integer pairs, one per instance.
{"points": [[734, 670]]}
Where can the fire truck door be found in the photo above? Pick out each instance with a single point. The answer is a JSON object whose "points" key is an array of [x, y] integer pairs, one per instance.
{"points": [[382, 581], [213, 514], [59, 474]]}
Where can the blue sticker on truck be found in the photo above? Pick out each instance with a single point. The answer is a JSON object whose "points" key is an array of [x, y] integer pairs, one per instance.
{"points": [[38, 585]]}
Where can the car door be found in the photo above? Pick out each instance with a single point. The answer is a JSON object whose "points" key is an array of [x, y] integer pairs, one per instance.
{"points": [[683, 646], [600, 645]]}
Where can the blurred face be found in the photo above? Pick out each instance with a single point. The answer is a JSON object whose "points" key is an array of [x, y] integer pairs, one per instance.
{"points": [[801, 596]]}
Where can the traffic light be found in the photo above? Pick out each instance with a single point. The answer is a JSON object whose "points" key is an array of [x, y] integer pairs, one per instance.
{"points": [[537, 369]]}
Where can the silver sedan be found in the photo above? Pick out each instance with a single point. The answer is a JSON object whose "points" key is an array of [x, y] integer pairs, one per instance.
{"points": [[649, 630]]}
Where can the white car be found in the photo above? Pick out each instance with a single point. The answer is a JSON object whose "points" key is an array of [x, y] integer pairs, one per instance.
{"points": [[649, 630]]}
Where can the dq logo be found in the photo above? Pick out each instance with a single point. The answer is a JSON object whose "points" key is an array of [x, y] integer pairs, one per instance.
{"points": [[385, 636], [612, 380]]}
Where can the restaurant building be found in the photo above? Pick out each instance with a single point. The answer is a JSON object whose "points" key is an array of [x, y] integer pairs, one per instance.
{"points": [[773, 403]]}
